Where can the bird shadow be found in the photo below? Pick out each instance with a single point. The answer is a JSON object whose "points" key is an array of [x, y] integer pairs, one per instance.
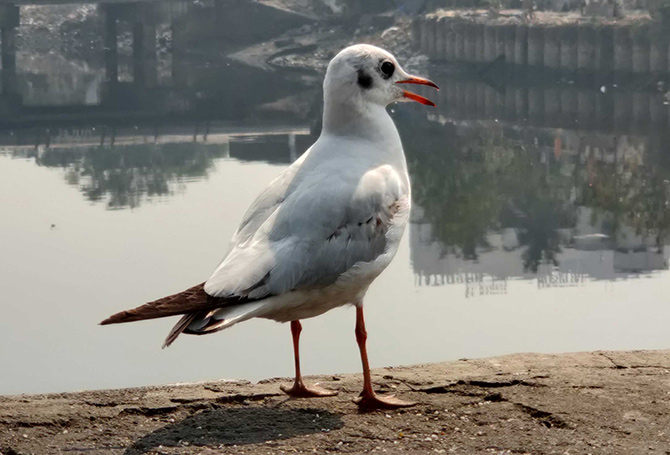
{"points": [[237, 426]]}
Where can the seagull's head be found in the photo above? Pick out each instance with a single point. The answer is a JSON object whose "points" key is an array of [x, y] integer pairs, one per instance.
{"points": [[368, 74]]}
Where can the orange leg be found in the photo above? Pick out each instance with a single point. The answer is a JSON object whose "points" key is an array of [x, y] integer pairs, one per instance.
{"points": [[368, 399], [299, 389]]}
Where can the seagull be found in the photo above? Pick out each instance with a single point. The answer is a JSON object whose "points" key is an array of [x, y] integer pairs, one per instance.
{"points": [[323, 230]]}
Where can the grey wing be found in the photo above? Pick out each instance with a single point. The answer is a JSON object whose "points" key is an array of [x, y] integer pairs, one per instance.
{"points": [[266, 203], [315, 235]]}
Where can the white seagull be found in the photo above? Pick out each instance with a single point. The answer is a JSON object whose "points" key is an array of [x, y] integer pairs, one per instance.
{"points": [[323, 230]]}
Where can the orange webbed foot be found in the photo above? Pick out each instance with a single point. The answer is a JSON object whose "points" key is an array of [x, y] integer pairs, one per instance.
{"points": [[300, 390], [371, 402]]}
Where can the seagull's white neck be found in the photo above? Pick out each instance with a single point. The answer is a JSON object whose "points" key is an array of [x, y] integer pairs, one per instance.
{"points": [[356, 119]]}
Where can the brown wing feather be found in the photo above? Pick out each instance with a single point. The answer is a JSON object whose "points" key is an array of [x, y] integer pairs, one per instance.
{"points": [[190, 300]]}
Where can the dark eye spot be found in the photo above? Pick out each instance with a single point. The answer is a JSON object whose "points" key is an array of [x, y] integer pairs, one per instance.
{"points": [[364, 79], [387, 68]]}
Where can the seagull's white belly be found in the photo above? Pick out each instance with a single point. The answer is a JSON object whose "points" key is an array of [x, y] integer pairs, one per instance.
{"points": [[349, 289]]}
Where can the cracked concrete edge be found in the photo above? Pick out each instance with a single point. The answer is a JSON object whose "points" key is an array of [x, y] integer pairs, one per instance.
{"points": [[523, 369]]}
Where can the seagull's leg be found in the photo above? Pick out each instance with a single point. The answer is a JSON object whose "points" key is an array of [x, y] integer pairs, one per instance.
{"points": [[299, 389], [368, 399]]}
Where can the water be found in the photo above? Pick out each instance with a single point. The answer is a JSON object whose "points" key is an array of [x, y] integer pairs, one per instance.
{"points": [[528, 233]]}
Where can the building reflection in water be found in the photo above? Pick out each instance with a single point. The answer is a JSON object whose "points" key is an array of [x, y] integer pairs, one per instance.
{"points": [[496, 201]]}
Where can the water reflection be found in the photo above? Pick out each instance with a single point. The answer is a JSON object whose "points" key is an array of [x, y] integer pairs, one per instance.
{"points": [[497, 201], [123, 176], [488, 194], [476, 180], [141, 168]]}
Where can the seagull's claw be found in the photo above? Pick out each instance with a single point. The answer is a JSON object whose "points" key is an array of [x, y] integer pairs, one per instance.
{"points": [[302, 391], [367, 402]]}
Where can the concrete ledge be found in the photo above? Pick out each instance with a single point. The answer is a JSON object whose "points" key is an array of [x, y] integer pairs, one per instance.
{"points": [[597, 402]]}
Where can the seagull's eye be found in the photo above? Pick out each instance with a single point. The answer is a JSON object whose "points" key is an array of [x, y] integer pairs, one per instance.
{"points": [[387, 68]]}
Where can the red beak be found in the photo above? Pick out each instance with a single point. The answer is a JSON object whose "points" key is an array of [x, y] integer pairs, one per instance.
{"points": [[414, 96]]}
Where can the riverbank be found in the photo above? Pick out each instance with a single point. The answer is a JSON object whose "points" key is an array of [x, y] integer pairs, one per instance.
{"points": [[561, 42], [597, 402]]}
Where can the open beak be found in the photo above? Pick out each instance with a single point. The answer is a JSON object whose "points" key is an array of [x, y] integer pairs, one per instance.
{"points": [[414, 96]]}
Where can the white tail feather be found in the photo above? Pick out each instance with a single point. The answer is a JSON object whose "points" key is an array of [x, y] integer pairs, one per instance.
{"points": [[238, 313], [213, 321]]}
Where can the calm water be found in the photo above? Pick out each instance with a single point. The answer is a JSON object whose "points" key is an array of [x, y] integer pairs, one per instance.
{"points": [[535, 227]]}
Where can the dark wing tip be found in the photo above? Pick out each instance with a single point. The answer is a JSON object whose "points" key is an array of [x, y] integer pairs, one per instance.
{"points": [[122, 316], [183, 302], [113, 319]]}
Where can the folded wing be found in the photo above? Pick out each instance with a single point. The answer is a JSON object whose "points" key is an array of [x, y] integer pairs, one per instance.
{"points": [[313, 236]]}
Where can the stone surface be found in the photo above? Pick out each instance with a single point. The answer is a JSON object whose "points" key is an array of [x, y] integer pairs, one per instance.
{"points": [[598, 403]]}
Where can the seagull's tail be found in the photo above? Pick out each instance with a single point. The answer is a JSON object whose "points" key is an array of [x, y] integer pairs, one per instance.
{"points": [[210, 321], [192, 299], [201, 313]]}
